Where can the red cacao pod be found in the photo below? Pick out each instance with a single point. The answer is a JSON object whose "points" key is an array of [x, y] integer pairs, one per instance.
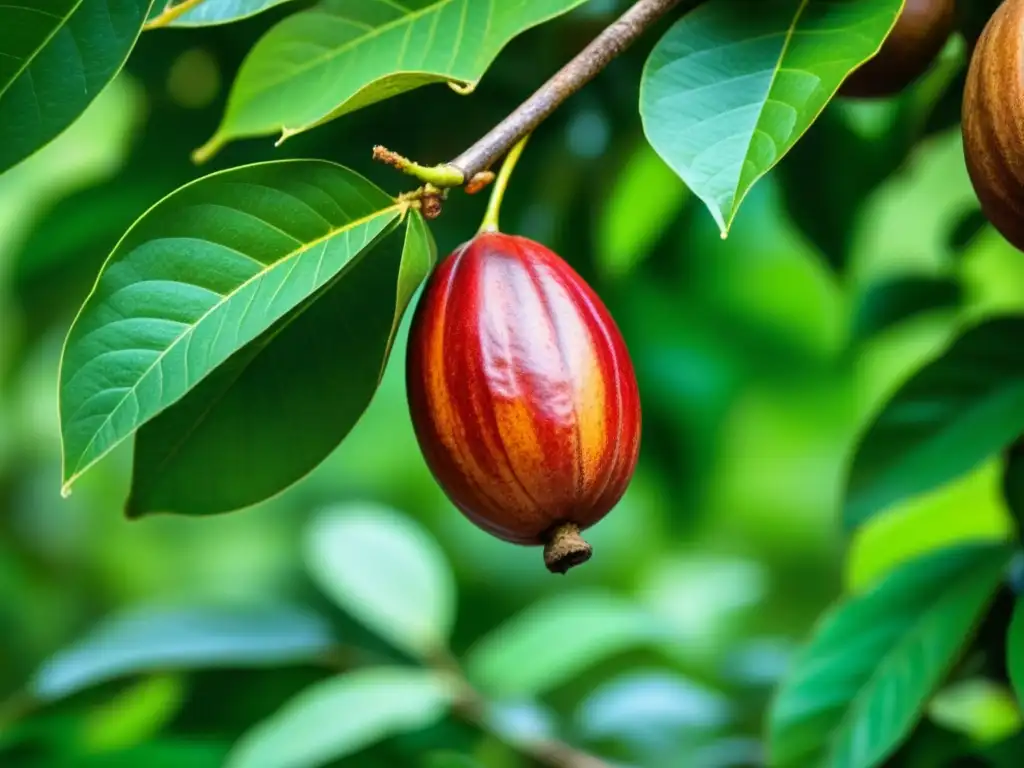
{"points": [[993, 113], [916, 39], [522, 395]]}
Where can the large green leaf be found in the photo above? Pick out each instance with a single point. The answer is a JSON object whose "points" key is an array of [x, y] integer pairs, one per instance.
{"points": [[344, 715], [861, 684], [341, 56], [735, 83], [210, 12], [157, 640], [1015, 651], [204, 272], [553, 641], [386, 571], [304, 388], [55, 58], [948, 418]]}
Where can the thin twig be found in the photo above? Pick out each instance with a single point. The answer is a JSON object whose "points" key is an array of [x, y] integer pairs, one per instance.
{"points": [[472, 708], [612, 41], [170, 13]]}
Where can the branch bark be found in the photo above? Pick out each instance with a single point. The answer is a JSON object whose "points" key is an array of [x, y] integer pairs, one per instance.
{"points": [[583, 68]]}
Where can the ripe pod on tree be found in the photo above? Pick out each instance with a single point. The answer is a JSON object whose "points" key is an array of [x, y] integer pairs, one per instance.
{"points": [[993, 112], [918, 36], [522, 395]]}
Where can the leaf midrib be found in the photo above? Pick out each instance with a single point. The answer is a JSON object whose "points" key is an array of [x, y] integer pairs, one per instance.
{"points": [[738, 198], [290, 319], [375, 32], [79, 468], [881, 670], [61, 21]]}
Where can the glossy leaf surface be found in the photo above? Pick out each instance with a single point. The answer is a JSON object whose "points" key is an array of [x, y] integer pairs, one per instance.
{"points": [[204, 272], [862, 682], [341, 56], [211, 12], [55, 58], [282, 403], [734, 84]]}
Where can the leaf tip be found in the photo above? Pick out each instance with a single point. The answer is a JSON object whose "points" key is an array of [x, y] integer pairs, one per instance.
{"points": [[286, 133], [65, 490], [462, 88], [208, 150]]}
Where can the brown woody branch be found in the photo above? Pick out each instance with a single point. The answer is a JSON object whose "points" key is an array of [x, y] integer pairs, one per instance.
{"points": [[612, 41]]}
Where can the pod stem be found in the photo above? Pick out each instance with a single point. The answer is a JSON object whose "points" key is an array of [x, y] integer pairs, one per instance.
{"points": [[565, 548], [490, 222]]}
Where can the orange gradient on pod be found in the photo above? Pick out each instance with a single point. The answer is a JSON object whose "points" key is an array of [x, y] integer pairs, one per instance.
{"points": [[522, 395]]}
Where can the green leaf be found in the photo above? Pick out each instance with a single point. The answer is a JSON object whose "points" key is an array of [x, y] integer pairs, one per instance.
{"points": [[734, 84], [210, 12], [146, 640], [386, 571], [645, 200], [981, 709], [133, 716], [886, 304], [341, 56], [862, 683], [343, 715], [555, 640], [305, 388], [204, 272], [947, 419], [1015, 650], [55, 58], [1012, 485]]}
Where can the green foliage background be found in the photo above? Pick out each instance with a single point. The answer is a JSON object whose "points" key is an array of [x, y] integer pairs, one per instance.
{"points": [[763, 359]]}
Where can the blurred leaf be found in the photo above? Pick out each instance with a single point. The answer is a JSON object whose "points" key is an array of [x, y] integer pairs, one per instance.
{"points": [[1015, 651], [150, 639], [58, 56], [978, 708], [860, 686], [339, 57], [927, 522], [948, 418], [204, 272], [343, 715], [646, 198], [892, 301], [386, 571], [163, 753], [554, 640], [1013, 484], [305, 388], [133, 716], [651, 707], [210, 12], [448, 759], [771, 65]]}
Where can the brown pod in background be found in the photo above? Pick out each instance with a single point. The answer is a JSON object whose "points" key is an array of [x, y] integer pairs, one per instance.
{"points": [[916, 40], [993, 121]]}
